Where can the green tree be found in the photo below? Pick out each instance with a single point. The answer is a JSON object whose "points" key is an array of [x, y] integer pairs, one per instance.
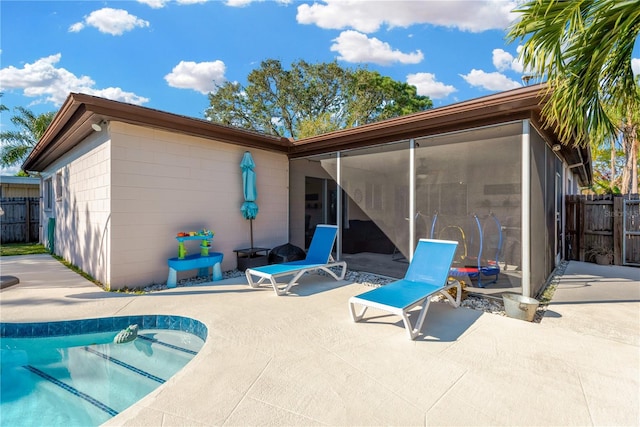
{"points": [[607, 163], [375, 97], [17, 144], [310, 99], [629, 132], [584, 48], [610, 158]]}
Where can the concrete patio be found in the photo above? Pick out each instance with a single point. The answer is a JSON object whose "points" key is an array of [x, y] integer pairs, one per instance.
{"points": [[301, 360]]}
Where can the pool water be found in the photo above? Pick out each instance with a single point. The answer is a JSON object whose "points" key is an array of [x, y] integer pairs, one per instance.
{"points": [[85, 379]]}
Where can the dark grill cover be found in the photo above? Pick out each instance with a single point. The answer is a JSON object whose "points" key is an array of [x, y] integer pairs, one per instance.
{"points": [[286, 253]]}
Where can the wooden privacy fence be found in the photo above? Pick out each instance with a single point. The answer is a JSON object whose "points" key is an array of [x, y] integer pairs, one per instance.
{"points": [[20, 222], [600, 223]]}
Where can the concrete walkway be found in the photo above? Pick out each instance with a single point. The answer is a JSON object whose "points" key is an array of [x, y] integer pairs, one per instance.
{"points": [[300, 360]]}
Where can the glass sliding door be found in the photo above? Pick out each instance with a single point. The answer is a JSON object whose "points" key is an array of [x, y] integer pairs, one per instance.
{"points": [[320, 206]]}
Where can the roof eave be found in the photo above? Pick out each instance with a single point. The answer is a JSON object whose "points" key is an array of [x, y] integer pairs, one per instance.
{"points": [[73, 123], [518, 104]]}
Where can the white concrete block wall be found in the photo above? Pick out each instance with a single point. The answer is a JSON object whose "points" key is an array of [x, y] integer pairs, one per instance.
{"points": [[82, 206], [163, 183]]}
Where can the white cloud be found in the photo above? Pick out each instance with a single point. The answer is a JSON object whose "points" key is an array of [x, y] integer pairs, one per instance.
{"points": [[50, 84], [77, 27], [491, 81], [503, 61], [242, 3], [635, 66], [159, 4], [368, 17], [201, 77], [517, 64], [10, 171], [155, 4], [238, 3], [353, 46], [117, 94], [428, 86], [110, 21]]}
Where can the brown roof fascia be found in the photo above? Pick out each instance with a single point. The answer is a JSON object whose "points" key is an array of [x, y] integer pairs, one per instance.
{"points": [[518, 104], [73, 123], [56, 126], [134, 114]]}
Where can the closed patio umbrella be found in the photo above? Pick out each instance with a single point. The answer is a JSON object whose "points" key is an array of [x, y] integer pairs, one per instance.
{"points": [[249, 208]]}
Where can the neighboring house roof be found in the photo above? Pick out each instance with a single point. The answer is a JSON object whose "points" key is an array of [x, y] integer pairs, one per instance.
{"points": [[23, 180], [73, 123]]}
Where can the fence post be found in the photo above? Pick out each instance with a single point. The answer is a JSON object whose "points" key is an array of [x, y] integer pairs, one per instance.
{"points": [[580, 227], [571, 227], [618, 229], [27, 220]]}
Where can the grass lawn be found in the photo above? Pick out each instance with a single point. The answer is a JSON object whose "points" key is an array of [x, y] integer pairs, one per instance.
{"points": [[22, 249]]}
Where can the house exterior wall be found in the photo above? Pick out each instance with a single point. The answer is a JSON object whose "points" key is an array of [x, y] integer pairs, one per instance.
{"points": [[163, 183], [121, 196], [12, 187], [79, 202]]}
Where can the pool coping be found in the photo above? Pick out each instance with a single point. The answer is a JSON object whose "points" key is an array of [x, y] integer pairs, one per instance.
{"points": [[102, 324]]}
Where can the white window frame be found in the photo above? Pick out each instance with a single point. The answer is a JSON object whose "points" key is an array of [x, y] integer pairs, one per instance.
{"points": [[47, 194], [58, 186]]}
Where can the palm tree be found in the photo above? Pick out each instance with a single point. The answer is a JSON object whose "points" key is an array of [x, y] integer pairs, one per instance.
{"points": [[584, 48], [17, 144], [2, 106]]}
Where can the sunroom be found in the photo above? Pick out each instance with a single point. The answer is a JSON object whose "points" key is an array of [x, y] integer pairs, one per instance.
{"points": [[485, 173]]}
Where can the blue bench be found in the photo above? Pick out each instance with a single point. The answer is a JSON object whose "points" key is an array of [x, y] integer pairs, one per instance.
{"points": [[191, 262]]}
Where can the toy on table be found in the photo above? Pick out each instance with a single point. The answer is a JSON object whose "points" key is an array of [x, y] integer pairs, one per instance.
{"points": [[205, 235], [202, 261]]}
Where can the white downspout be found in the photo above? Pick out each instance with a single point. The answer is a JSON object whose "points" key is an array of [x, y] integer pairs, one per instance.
{"points": [[412, 198], [325, 201], [525, 237], [339, 207]]}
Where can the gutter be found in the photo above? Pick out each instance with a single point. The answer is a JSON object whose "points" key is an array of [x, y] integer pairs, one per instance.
{"points": [[74, 121]]}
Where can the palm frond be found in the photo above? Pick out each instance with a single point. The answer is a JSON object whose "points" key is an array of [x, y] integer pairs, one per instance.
{"points": [[584, 49]]}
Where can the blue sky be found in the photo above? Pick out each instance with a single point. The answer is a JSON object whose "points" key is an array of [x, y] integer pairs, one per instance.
{"points": [[168, 55]]}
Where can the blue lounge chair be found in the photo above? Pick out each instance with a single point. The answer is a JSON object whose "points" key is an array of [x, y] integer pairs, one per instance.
{"points": [[427, 275], [318, 258]]}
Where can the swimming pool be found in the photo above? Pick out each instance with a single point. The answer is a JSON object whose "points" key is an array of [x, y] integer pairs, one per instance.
{"points": [[72, 374]]}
